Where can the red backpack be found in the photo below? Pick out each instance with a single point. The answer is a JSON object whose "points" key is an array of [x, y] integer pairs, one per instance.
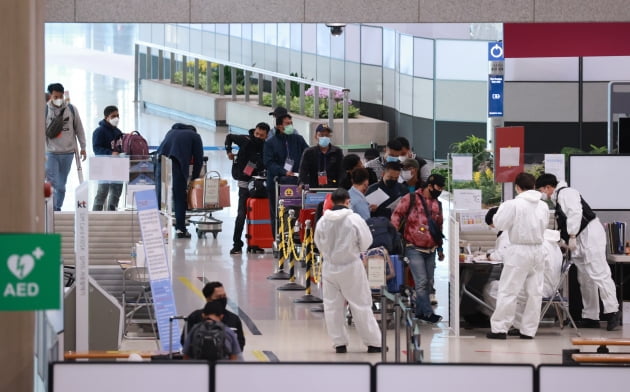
{"points": [[135, 146]]}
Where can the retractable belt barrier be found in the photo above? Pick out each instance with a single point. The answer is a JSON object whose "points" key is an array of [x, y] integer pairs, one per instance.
{"points": [[414, 351], [283, 250], [290, 254], [308, 252]]}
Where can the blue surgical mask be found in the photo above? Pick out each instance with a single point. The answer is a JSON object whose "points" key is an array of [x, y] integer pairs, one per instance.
{"points": [[323, 141], [392, 159], [288, 130]]}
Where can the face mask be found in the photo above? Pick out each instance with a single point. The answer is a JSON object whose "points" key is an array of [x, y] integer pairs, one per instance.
{"points": [[406, 175], [435, 194], [114, 121], [57, 102], [258, 141], [324, 141], [390, 183], [222, 301], [288, 130], [543, 196], [392, 159]]}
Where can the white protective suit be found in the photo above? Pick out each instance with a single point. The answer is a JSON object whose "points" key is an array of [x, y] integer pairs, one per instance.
{"points": [[341, 235], [551, 271], [589, 257], [525, 219]]}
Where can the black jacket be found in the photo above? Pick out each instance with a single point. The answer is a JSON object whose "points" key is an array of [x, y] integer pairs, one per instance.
{"points": [[250, 150], [399, 190], [183, 144], [229, 319], [314, 161]]}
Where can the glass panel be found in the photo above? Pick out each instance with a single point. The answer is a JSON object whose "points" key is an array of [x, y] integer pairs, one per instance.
{"points": [[461, 60], [284, 35], [406, 54], [296, 36], [235, 30], [323, 40], [271, 34], [309, 38], [423, 58], [352, 35], [371, 45], [389, 48]]}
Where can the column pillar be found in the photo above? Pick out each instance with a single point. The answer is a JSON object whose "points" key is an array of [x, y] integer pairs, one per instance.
{"points": [[22, 163]]}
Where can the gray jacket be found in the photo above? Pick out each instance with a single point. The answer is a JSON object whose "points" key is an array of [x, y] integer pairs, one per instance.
{"points": [[72, 128]]}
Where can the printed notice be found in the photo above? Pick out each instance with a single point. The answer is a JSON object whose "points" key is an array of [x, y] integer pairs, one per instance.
{"points": [[467, 199], [510, 156], [462, 167], [554, 164], [106, 168]]}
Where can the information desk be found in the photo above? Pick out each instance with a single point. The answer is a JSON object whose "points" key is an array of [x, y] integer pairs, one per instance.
{"points": [[618, 262]]}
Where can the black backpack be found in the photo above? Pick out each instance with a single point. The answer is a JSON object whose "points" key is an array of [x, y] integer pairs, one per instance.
{"points": [[208, 341], [587, 216], [383, 234]]}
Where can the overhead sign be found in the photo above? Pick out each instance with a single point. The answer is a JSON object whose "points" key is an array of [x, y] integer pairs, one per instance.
{"points": [[495, 51], [30, 271], [495, 96]]}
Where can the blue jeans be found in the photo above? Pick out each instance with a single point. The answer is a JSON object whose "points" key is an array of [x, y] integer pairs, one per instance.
{"points": [[57, 169], [422, 266]]}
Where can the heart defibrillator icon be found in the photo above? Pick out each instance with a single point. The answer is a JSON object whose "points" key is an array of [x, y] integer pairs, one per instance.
{"points": [[21, 266]]}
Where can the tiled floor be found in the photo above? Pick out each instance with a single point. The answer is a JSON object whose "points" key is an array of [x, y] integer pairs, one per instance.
{"points": [[280, 329]]}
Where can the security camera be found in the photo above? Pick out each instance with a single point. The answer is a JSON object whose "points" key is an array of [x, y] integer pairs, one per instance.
{"points": [[336, 28]]}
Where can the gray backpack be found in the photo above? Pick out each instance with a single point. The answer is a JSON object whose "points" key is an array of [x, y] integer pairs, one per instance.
{"points": [[208, 341]]}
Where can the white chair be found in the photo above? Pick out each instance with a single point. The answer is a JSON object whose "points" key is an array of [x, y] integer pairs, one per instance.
{"points": [[137, 296]]}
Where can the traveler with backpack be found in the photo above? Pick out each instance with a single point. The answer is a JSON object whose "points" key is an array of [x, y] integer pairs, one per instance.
{"points": [[212, 340], [106, 140], [183, 145], [246, 164], [63, 129]]}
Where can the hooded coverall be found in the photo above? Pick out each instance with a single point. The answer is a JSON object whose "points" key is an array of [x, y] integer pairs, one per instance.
{"points": [[525, 219], [341, 235]]}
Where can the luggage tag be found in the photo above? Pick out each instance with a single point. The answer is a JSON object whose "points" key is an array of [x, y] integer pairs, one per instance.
{"points": [[322, 178], [249, 168], [288, 164]]}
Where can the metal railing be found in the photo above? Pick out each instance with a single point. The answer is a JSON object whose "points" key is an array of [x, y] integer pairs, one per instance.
{"points": [[181, 57], [400, 312]]}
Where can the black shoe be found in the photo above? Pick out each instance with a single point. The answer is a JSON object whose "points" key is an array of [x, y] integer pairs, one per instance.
{"points": [[496, 335], [614, 321], [431, 319], [183, 234], [236, 251], [526, 337], [587, 323], [374, 349], [514, 332], [341, 349]]}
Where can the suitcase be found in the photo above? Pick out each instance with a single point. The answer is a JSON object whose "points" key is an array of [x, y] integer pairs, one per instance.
{"points": [[259, 235], [394, 284]]}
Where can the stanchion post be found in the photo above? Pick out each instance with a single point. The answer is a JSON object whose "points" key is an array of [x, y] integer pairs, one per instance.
{"points": [[282, 245], [309, 251], [397, 325], [383, 325], [292, 256]]}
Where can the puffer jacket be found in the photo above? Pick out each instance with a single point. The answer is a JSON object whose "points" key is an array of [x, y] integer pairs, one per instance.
{"points": [[417, 227]]}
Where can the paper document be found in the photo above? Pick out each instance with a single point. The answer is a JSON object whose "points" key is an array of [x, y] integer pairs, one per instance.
{"points": [[509, 156], [377, 197], [462, 167]]}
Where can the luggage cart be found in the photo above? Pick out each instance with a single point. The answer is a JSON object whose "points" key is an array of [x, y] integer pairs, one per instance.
{"points": [[200, 213]]}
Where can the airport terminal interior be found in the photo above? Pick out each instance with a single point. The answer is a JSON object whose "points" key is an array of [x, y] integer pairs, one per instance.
{"points": [[276, 328]]}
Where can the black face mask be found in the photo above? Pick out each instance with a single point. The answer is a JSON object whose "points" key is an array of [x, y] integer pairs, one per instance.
{"points": [[390, 183], [435, 193], [258, 141], [222, 301]]}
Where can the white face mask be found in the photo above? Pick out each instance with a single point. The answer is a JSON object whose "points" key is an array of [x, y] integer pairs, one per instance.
{"points": [[543, 196], [405, 175], [57, 102], [114, 121]]}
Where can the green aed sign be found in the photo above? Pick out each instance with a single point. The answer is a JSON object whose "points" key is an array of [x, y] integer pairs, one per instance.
{"points": [[30, 271]]}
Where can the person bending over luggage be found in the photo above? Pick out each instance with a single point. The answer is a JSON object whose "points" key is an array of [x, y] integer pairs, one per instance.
{"points": [[107, 140], [247, 163], [321, 164], [182, 144], [341, 235], [211, 339], [214, 291]]}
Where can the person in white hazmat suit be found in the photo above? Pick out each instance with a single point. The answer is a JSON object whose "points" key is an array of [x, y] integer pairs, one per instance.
{"points": [[587, 242], [341, 235], [525, 219], [551, 275]]}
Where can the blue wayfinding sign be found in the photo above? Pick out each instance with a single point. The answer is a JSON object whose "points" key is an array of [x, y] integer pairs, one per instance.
{"points": [[159, 272], [495, 51], [495, 96]]}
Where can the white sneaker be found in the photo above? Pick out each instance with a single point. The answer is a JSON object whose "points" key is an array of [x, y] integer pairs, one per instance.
{"points": [[433, 299]]}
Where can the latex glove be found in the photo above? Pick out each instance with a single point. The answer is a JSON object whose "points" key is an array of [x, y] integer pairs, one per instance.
{"points": [[572, 243]]}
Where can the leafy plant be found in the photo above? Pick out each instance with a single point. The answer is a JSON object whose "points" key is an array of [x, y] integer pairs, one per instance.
{"points": [[309, 103]]}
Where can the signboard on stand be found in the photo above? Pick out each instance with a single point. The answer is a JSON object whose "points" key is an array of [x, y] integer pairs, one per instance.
{"points": [[509, 152]]}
